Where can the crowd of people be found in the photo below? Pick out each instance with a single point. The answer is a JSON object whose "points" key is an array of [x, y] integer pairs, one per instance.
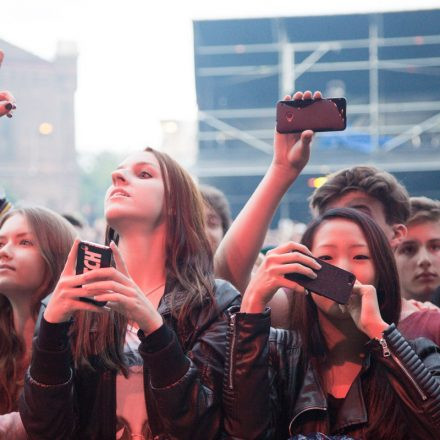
{"points": [[198, 335]]}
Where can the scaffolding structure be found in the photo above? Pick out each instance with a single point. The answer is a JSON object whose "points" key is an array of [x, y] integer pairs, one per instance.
{"points": [[387, 65], [391, 144]]}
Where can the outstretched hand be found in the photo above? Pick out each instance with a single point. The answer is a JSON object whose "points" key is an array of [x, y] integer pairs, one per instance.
{"points": [[292, 150], [7, 101]]}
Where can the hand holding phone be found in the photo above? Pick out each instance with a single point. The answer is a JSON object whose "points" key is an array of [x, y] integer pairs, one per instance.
{"points": [[332, 282], [92, 256], [297, 115]]}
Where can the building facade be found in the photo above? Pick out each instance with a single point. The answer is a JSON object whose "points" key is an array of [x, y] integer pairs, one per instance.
{"points": [[37, 146]]}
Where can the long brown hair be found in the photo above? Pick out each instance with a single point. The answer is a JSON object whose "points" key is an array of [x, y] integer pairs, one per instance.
{"points": [[385, 421], [188, 265], [54, 237]]}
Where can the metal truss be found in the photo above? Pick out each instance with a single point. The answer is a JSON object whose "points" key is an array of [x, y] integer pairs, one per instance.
{"points": [[288, 71]]}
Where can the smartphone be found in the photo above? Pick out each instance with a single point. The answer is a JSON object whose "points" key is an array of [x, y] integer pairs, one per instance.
{"points": [[298, 115], [332, 282], [92, 256]]}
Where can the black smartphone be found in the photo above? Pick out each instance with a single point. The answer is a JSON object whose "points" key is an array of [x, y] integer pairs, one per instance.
{"points": [[92, 256], [298, 115], [332, 282]]}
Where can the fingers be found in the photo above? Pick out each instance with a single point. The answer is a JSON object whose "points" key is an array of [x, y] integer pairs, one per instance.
{"points": [[292, 286], [290, 246], [70, 266], [7, 107], [317, 95], [108, 286], [7, 96], [307, 136], [279, 263], [106, 274], [304, 95]]}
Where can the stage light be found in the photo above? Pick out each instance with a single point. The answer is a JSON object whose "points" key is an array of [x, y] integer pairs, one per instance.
{"points": [[316, 182]]}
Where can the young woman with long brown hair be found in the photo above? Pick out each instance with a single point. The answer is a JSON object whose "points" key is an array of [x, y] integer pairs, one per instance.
{"points": [[341, 370], [149, 364], [34, 244]]}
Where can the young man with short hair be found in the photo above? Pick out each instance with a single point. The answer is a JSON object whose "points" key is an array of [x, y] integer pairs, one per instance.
{"points": [[366, 188]]}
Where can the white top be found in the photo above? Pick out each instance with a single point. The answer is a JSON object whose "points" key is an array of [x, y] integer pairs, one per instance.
{"points": [[131, 410]]}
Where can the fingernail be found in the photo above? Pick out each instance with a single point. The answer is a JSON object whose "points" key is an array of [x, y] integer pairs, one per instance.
{"points": [[9, 115], [8, 106]]}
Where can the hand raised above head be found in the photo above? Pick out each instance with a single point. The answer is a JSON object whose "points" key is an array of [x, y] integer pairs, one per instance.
{"points": [[7, 100], [7, 103], [292, 150]]}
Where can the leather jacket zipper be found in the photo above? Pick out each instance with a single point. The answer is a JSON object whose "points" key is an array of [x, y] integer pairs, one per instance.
{"points": [[387, 352], [232, 332], [416, 386]]}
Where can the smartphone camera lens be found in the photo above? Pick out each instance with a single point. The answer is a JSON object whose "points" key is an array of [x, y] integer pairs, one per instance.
{"points": [[289, 116]]}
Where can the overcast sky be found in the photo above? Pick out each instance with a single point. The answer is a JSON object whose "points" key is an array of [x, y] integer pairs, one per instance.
{"points": [[136, 56]]}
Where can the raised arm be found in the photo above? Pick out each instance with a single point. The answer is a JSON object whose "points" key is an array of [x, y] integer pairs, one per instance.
{"points": [[239, 248], [7, 101]]}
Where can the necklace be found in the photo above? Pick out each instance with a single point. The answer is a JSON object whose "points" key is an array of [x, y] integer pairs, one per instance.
{"points": [[154, 290]]}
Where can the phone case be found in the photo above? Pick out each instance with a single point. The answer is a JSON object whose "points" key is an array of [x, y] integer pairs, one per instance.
{"points": [[92, 256], [298, 115], [332, 282]]}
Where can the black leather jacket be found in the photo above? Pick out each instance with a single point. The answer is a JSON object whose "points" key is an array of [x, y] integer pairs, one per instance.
{"points": [[270, 392], [187, 406]]}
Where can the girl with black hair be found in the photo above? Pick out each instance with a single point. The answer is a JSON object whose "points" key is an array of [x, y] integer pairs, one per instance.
{"points": [[341, 370]]}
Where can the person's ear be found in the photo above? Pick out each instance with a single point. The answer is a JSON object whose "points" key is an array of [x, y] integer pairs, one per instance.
{"points": [[399, 233]]}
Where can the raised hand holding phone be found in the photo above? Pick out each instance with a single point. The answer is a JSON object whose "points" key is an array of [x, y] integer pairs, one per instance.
{"points": [[297, 115], [7, 101], [292, 150]]}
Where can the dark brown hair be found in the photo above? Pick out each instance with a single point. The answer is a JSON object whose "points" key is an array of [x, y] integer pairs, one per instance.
{"points": [[386, 421], [424, 210], [54, 237], [189, 268], [378, 184]]}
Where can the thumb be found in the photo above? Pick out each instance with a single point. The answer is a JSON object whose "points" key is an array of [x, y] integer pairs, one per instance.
{"points": [[306, 137], [69, 267]]}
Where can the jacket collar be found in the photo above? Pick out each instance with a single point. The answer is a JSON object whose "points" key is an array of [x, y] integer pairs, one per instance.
{"points": [[312, 397]]}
